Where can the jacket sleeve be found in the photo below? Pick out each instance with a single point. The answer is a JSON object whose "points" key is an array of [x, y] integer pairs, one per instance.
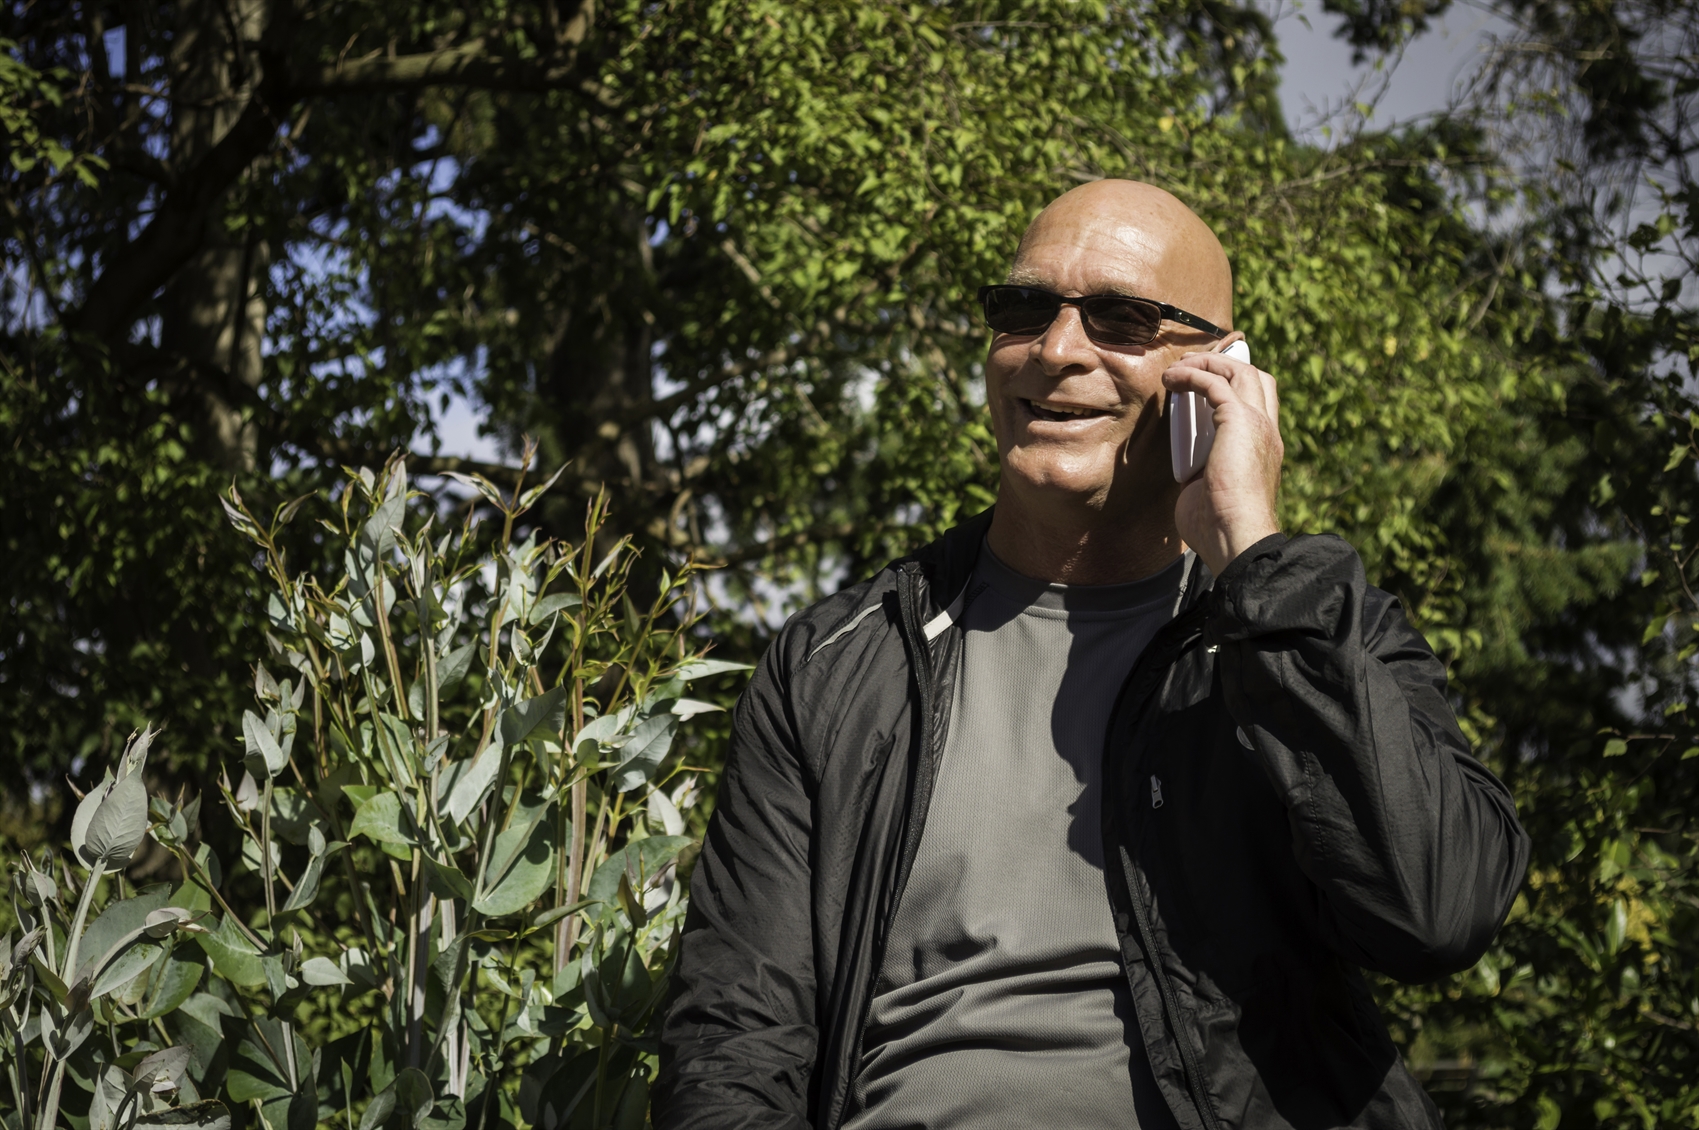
{"points": [[738, 1041], [1413, 845]]}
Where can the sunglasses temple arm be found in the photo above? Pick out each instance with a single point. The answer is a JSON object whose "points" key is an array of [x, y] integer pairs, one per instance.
{"points": [[1192, 320]]}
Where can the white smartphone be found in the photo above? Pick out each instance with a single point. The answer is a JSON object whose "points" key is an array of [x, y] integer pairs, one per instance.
{"points": [[1191, 424]]}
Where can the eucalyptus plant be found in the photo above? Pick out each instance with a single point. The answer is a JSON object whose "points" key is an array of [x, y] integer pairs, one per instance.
{"points": [[462, 819]]}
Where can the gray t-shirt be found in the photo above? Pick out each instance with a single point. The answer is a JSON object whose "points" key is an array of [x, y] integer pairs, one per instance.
{"points": [[1002, 1000]]}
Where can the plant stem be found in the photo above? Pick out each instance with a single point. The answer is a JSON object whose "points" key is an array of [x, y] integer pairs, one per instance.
{"points": [[575, 870], [75, 940], [265, 861], [15, 1067], [389, 657], [50, 1102], [493, 1079], [191, 864]]}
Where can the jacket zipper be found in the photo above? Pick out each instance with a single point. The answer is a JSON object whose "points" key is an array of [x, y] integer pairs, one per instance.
{"points": [[1141, 915], [920, 652], [920, 655], [1188, 1057]]}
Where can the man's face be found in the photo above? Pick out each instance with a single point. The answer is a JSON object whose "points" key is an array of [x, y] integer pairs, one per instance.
{"points": [[1075, 420]]}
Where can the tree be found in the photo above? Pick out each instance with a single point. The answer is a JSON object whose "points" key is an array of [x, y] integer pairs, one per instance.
{"points": [[719, 257], [1584, 1014]]}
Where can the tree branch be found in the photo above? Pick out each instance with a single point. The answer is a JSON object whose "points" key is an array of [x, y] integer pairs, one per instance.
{"points": [[468, 64], [178, 227]]}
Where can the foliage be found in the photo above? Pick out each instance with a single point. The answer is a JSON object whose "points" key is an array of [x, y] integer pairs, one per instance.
{"points": [[715, 254], [1586, 1012], [462, 809], [718, 255]]}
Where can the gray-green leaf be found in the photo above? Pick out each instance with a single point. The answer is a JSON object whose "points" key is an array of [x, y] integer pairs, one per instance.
{"points": [[118, 825], [208, 1115], [534, 717], [446, 880], [382, 820], [413, 1096], [86, 808], [263, 757], [549, 605], [644, 750], [702, 668], [454, 665], [473, 783], [323, 971], [528, 877], [638, 860]]}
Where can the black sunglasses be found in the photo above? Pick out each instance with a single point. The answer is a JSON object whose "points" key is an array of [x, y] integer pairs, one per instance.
{"points": [[1109, 319]]}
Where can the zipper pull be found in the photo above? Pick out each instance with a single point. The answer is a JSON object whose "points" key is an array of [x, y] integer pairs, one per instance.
{"points": [[1155, 791]]}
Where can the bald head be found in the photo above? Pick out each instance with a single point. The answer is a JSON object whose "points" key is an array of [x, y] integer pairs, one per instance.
{"points": [[1130, 237]]}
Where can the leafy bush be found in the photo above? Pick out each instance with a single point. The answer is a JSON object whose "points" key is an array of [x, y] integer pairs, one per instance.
{"points": [[462, 820]]}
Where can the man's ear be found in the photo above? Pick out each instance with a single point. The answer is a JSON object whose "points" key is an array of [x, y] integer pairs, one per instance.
{"points": [[1224, 343]]}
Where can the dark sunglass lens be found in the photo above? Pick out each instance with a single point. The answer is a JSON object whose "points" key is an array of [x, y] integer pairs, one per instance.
{"points": [[1121, 321], [1019, 309]]}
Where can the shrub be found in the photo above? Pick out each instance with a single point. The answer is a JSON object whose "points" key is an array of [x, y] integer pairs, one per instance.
{"points": [[462, 819]]}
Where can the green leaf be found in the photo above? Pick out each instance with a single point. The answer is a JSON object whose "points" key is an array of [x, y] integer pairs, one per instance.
{"points": [[118, 825], [323, 971], [358, 795], [377, 535], [528, 876], [446, 880], [549, 605], [702, 668], [454, 666], [645, 749], [1616, 747], [537, 717], [233, 956], [209, 1114], [645, 857], [174, 981], [264, 757], [383, 820], [379, 1109]]}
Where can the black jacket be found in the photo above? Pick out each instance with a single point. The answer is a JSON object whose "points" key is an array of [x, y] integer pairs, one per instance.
{"points": [[1286, 798]]}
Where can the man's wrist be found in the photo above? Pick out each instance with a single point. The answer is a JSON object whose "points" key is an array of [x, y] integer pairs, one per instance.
{"points": [[1233, 546]]}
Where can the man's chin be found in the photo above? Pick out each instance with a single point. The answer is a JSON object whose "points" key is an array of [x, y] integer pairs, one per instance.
{"points": [[1064, 485], [1042, 477]]}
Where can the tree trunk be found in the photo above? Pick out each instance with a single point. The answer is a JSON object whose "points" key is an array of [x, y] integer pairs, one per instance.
{"points": [[212, 311], [602, 366]]}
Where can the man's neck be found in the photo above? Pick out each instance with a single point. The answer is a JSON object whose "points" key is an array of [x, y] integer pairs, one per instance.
{"points": [[1067, 547]]}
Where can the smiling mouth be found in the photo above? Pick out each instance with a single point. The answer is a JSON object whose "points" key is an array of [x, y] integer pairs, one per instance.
{"points": [[1049, 410]]}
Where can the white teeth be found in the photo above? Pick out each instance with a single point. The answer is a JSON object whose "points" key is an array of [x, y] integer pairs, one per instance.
{"points": [[1063, 410]]}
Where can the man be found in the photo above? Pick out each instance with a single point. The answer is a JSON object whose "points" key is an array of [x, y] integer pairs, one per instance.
{"points": [[1088, 814]]}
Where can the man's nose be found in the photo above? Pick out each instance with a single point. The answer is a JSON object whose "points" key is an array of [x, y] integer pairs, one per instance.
{"points": [[1064, 345]]}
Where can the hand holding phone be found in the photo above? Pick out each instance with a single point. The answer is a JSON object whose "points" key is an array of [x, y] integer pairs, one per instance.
{"points": [[1191, 424]]}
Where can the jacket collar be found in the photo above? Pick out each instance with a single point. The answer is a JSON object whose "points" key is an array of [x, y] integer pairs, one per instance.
{"points": [[948, 564]]}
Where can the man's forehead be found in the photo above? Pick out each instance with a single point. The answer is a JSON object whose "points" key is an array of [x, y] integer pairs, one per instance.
{"points": [[1096, 258], [1122, 237]]}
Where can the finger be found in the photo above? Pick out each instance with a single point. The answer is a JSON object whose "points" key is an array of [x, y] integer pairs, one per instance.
{"points": [[1247, 384], [1214, 387], [1221, 380], [1271, 394]]}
